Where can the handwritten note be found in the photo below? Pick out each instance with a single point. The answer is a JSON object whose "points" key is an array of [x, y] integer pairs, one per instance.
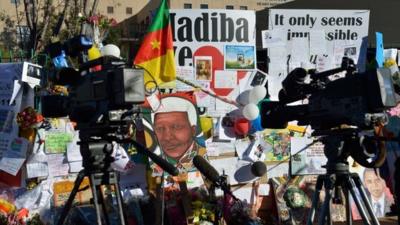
{"points": [[57, 165], [14, 157], [56, 142], [225, 79]]}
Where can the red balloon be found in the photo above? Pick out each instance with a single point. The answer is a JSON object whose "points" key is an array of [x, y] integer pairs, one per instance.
{"points": [[242, 126]]}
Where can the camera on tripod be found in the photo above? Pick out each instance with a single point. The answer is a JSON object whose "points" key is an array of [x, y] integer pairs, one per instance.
{"points": [[358, 99], [92, 94]]}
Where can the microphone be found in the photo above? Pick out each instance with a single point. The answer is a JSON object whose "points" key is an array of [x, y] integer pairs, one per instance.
{"points": [[164, 164], [207, 170], [258, 169]]}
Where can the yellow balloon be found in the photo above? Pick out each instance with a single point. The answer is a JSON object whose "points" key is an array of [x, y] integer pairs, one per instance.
{"points": [[93, 53], [206, 124]]}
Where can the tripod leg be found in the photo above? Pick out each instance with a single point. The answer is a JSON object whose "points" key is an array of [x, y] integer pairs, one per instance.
{"points": [[365, 199], [348, 207], [93, 185], [350, 185], [329, 184], [71, 197], [314, 205], [119, 202]]}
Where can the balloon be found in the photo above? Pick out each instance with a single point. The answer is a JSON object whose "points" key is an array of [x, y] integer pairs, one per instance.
{"points": [[93, 53], [241, 126], [257, 94], [110, 50], [251, 111], [206, 124], [256, 125]]}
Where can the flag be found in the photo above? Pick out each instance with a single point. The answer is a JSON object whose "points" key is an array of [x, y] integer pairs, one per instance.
{"points": [[156, 54]]}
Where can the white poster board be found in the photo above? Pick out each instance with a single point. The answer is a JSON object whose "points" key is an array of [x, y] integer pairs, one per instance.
{"points": [[343, 28]]}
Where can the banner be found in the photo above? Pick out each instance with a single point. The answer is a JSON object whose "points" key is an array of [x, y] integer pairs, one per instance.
{"points": [[344, 32], [211, 33]]}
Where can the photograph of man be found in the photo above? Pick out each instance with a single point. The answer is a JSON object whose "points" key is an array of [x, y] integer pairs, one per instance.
{"points": [[175, 127], [380, 197], [203, 67], [378, 193]]}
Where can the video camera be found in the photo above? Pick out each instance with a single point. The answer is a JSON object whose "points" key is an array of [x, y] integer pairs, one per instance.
{"points": [[358, 99], [342, 112], [93, 94]]}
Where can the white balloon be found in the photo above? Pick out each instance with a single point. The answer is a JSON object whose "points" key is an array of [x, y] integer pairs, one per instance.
{"points": [[251, 111], [110, 50], [257, 94]]}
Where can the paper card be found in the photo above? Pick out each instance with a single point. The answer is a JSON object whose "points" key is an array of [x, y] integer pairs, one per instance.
{"points": [[75, 167], [278, 55], [11, 164], [73, 149], [226, 107], [226, 166], [203, 99], [14, 156], [56, 142], [277, 73], [390, 53], [58, 165], [194, 180], [307, 157], [212, 148], [154, 102], [18, 146], [300, 50], [187, 73], [278, 170], [122, 162], [225, 79], [263, 189], [135, 178], [217, 148], [31, 74], [317, 42], [273, 38], [257, 152], [37, 169], [243, 148], [16, 91]]}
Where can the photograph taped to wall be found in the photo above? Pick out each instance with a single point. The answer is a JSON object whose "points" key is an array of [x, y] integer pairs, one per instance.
{"points": [[31, 73], [203, 67], [239, 57]]}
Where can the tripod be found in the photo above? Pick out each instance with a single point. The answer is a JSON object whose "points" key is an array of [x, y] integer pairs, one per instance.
{"points": [[97, 158], [339, 178]]}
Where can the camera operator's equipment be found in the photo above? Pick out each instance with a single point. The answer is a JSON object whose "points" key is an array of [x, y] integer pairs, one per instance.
{"points": [[358, 100], [91, 99], [93, 94], [340, 111], [339, 181]]}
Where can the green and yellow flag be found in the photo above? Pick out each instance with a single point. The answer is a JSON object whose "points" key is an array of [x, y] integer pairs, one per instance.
{"points": [[156, 54]]}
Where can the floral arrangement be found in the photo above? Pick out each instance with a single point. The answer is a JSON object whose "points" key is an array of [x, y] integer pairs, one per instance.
{"points": [[28, 118], [101, 25]]}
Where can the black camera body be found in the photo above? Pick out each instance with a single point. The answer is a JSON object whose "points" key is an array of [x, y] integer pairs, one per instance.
{"points": [[92, 94], [358, 99]]}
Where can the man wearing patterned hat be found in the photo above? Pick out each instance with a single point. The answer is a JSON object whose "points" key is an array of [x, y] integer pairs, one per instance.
{"points": [[175, 124]]}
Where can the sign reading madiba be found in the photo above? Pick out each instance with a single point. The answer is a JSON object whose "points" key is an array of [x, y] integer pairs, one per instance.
{"points": [[340, 26], [210, 32]]}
